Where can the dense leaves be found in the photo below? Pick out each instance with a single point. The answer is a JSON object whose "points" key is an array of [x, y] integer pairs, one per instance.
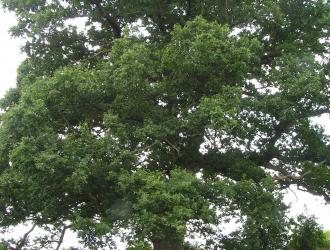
{"points": [[161, 121], [307, 235]]}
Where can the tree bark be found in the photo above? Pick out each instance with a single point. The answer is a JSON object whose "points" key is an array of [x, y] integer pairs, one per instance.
{"points": [[111, 21], [166, 244]]}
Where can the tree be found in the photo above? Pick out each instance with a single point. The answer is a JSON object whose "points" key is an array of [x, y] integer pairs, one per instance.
{"points": [[308, 235], [327, 239], [199, 115]]}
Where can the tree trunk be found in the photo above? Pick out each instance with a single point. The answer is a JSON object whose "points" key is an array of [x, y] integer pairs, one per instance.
{"points": [[166, 245]]}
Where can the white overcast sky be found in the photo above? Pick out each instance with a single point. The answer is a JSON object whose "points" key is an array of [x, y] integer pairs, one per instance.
{"points": [[10, 57]]}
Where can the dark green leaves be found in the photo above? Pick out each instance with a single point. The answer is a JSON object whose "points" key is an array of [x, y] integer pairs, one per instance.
{"points": [[170, 133]]}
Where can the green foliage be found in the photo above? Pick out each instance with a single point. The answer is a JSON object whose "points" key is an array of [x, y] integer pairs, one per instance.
{"points": [[157, 202], [167, 133], [327, 239], [307, 235], [3, 246]]}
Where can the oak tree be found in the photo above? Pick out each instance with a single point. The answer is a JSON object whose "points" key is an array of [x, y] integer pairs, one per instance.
{"points": [[158, 121]]}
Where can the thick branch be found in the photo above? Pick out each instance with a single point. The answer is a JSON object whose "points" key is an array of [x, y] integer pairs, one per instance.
{"points": [[60, 240], [225, 11], [285, 176], [189, 9], [271, 152], [286, 179], [173, 146], [112, 22], [25, 237], [160, 23]]}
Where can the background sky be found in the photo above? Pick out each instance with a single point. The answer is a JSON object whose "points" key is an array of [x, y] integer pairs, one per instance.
{"points": [[10, 58]]}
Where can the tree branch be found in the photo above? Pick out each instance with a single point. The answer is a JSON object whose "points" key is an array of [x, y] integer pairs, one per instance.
{"points": [[263, 159], [160, 23], [189, 9], [286, 179], [173, 146], [24, 238], [286, 176], [225, 11], [112, 22], [60, 241], [317, 193], [291, 177]]}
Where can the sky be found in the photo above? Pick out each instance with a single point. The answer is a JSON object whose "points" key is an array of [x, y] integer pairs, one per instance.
{"points": [[10, 58]]}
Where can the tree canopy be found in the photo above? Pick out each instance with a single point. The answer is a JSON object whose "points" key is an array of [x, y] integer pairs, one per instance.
{"points": [[163, 120]]}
